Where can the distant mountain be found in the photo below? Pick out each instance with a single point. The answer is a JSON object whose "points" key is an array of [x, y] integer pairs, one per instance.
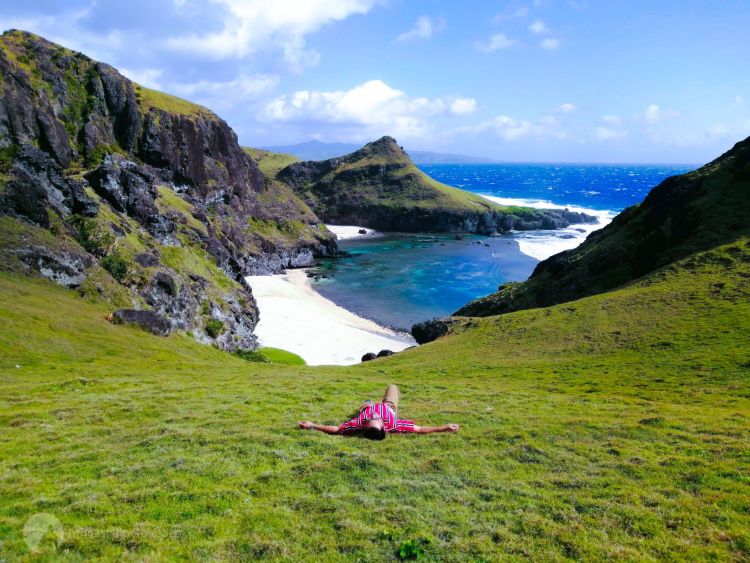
{"points": [[426, 157], [317, 150], [314, 150], [379, 186]]}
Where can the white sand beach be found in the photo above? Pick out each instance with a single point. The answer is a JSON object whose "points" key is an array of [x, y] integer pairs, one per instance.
{"points": [[344, 232], [295, 317]]}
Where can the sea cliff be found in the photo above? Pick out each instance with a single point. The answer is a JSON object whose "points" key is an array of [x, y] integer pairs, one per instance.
{"points": [[138, 197]]}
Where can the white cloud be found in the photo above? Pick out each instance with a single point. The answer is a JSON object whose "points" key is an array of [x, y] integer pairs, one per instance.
{"points": [[548, 120], [66, 30], [497, 41], [369, 109], [653, 114], [611, 119], [424, 28], [296, 55], [511, 15], [538, 27], [739, 100], [463, 106], [551, 43], [691, 137], [608, 134], [148, 77], [252, 25], [565, 108], [511, 129], [243, 86]]}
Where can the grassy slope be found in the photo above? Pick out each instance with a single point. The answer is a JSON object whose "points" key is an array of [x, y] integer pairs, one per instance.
{"points": [[615, 426], [149, 99], [682, 215], [270, 162], [279, 356]]}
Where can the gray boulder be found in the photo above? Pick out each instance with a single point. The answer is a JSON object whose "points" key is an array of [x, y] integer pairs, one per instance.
{"points": [[36, 184], [147, 320], [65, 268]]}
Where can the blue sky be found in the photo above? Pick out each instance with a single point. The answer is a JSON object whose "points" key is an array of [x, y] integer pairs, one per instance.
{"points": [[537, 80]]}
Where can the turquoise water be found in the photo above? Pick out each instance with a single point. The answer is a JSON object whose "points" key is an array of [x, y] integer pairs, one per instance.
{"points": [[399, 280], [402, 279]]}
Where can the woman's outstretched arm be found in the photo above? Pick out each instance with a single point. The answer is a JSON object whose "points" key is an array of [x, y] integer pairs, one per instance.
{"points": [[430, 429], [307, 425]]}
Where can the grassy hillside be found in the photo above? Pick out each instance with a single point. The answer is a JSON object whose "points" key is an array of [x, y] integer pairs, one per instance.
{"points": [[684, 214], [611, 427], [270, 162], [414, 187], [379, 186], [153, 99]]}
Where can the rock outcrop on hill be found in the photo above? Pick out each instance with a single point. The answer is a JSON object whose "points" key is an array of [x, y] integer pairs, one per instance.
{"points": [[115, 171], [379, 186], [683, 215]]}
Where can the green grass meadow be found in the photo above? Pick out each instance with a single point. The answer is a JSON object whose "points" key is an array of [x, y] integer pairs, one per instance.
{"points": [[614, 427]]}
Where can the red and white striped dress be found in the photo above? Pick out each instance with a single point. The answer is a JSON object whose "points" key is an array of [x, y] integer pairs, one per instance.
{"points": [[390, 422]]}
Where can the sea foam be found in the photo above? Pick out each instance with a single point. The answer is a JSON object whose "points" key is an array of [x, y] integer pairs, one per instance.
{"points": [[542, 244]]}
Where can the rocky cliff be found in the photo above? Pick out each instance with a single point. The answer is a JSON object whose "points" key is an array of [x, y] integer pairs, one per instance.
{"points": [[681, 216], [138, 197], [379, 186]]}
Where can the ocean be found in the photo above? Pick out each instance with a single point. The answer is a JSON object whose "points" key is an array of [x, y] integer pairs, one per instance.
{"points": [[399, 279]]}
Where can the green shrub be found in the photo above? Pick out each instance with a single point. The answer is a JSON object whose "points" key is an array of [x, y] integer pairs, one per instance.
{"points": [[97, 154], [412, 549], [92, 236], [7, 154], [205, 307], [116, 264], [279, 356], [252, 356], [271, 356], [214, 328]]}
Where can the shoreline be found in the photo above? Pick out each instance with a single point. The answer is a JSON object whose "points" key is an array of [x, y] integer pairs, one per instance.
{"points": [[351, 232], [294, 317], [541, 244]]}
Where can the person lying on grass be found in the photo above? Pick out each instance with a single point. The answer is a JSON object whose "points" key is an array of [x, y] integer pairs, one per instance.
{"points": [[376, 419]]}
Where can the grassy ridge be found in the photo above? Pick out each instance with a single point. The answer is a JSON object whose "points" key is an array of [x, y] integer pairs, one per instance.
{"points": [[382, 175], [611, 427], [153, 99], [270, 162]]}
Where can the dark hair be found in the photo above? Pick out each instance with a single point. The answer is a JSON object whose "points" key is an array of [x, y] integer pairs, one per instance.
{"points": [[374, 433]]}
